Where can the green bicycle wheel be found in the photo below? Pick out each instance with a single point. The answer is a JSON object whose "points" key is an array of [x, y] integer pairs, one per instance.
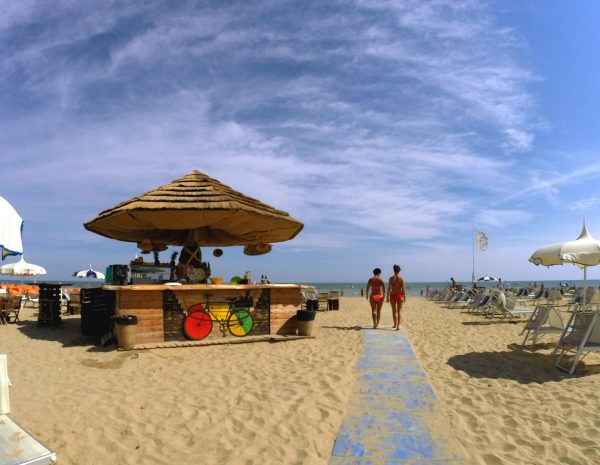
{"points": [[240, 322]]}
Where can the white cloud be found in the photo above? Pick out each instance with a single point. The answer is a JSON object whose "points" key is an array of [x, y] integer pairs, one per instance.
{"points": [[584, 205], [503, 219], [363, 119]]}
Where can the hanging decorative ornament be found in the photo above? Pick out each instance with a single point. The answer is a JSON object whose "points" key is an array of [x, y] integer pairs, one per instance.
{"points": [[257, 249], [145, 246]]}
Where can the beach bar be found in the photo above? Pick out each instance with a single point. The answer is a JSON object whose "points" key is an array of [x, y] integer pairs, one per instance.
{"points": [[171, 302], [161, 309]]}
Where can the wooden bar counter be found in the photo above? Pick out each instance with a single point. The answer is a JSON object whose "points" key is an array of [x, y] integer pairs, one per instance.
{"points": [[161, 308]]}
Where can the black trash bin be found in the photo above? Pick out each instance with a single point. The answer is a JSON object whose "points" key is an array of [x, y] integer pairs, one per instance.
{"points": [[333, 304], [312, 305], [126, 326], [306, 321]]}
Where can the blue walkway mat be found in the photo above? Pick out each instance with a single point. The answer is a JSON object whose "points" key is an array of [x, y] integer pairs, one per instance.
{"points": [[389, 418]]}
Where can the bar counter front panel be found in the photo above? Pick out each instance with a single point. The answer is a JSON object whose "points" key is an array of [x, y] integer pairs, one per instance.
{"points": [[161, 309]]}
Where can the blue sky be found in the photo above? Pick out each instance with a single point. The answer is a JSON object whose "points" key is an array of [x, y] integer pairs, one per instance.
{"points": [[390, 128]]}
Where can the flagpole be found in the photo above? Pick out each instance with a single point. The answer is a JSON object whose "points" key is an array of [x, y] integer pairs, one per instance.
{"points": [[473, 271]]}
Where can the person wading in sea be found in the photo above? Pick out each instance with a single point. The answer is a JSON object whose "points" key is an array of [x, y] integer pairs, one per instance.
{"points": [[376, 296]]}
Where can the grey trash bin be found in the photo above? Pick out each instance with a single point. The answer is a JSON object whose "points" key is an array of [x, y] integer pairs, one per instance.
{"points": [[126, 326]]}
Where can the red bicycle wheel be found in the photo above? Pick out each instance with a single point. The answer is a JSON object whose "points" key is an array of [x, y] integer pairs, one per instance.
{"points": [[197, 325]]}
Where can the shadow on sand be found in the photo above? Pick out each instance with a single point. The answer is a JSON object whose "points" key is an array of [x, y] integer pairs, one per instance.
{"points": [[67, 332], [347, 328], [522, 366], [489, 322]]}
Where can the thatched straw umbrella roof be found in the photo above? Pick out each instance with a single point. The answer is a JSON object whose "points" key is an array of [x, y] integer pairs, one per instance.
{"points": [[195, 208]]}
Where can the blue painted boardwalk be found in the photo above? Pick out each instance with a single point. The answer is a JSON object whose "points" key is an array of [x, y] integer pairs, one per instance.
{"points": [[390, 417]]}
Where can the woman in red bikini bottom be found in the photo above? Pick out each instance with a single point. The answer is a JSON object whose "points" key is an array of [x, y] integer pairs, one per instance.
{"points": [[396, 296], [377, 288]]}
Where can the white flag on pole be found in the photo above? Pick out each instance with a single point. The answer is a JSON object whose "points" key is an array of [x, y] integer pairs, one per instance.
{"points": [[482, 241]]}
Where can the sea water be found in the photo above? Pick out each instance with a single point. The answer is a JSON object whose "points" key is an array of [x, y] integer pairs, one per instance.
{"points": [[413, 289], [348, 289]]}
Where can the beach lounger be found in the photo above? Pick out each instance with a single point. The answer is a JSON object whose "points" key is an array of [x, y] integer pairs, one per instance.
{"points": [[479, 304], [441, 295], [539, 294], [581, 335], [463, 301], [453, 298], [545, 319], [507, 307], [17, 445], [576, 299], [592, 301], [521, 298]]}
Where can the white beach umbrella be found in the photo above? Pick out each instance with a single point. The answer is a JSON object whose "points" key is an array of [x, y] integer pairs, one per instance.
{"points": [[22, 268], [11, 226], [582, 252], [89, 273]]}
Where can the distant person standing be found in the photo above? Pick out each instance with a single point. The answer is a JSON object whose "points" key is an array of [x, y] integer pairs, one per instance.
{"points": [[376, 296], [453, 284], [396, 296]]}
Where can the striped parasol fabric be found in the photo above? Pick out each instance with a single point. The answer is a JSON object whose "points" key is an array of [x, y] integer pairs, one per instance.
{"points": [[89, 273], [195, 209], [487, 278]]}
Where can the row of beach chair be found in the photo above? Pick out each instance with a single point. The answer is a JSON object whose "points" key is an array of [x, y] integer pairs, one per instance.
{"points": [[579, 336], [322, 301]]}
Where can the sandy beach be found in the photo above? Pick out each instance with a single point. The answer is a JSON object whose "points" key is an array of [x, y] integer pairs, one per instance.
{"points": [[504, 404], [274, 403], [267, 403]]}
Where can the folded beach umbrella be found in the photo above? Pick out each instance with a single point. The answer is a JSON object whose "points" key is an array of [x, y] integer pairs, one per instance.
{"points": [[583, 252], [89, 273], [195, 209], [11, 226], [22, 268]]}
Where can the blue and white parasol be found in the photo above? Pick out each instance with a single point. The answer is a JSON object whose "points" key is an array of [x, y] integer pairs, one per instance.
{"points": [[488, 278], [89, 273]]}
